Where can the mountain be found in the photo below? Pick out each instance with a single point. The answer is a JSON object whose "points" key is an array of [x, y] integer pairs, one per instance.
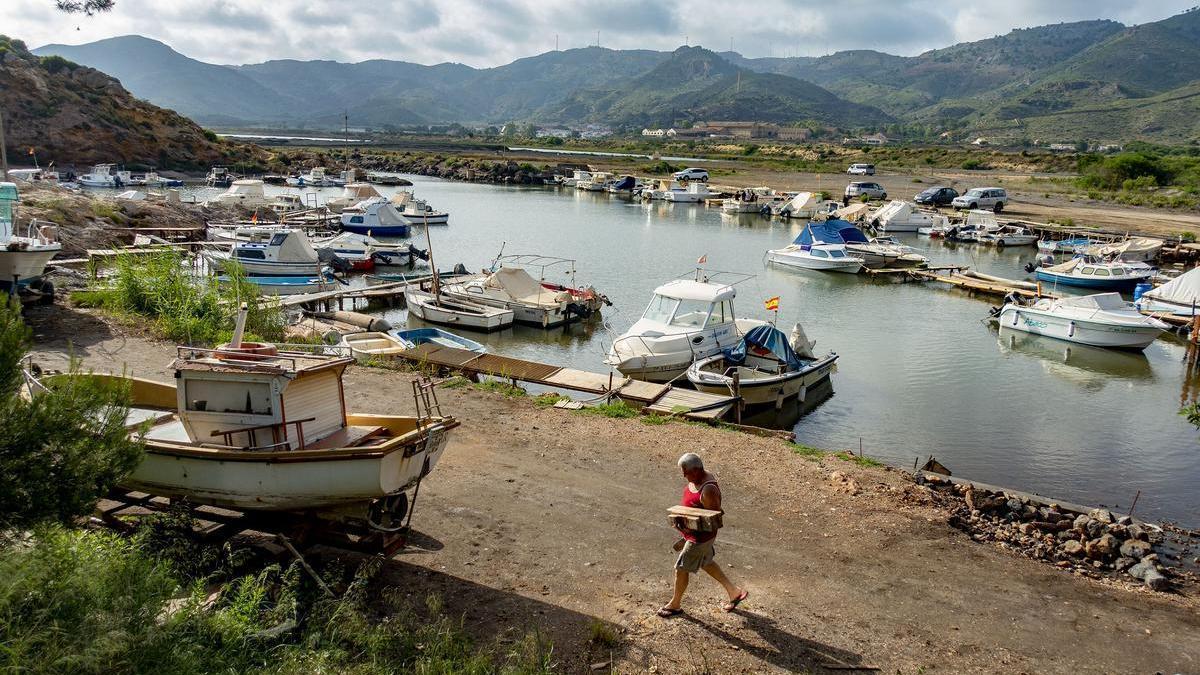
{"points": [[78, 115], [696, 84]]}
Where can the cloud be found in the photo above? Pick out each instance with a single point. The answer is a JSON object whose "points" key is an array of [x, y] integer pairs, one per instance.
{"points": [[493, 32]]}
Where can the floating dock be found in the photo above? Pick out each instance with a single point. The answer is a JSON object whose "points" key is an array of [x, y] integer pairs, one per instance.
{"points": [[956, 276]]}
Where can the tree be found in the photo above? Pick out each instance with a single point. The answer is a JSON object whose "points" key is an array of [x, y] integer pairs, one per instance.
{"points": [[88, 7], [60, 449]]}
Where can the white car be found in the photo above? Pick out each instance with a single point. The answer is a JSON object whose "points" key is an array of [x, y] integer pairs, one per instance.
{"points": [[867, 189], [692, 174], [861, 170], [989, 199]]}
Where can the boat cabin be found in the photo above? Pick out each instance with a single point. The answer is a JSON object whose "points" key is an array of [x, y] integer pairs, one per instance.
{"points": [[689, 305], [274, 245]]}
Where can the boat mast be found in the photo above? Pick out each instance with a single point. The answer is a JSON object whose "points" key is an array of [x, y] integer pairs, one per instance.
{"points": [[437, 288], [3, 151]]}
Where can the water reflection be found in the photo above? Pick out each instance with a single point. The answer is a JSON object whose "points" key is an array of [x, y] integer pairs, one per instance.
{"points": [[1091, 368], [793, 409]]}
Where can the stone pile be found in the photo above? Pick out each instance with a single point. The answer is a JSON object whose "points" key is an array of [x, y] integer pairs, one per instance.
{"points": [[1094, 544]]}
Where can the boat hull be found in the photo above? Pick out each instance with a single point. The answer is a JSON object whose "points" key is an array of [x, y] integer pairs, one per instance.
{"points": [[284, 285], [769, 390], [400, 231], [852, 266], [1121, 284], [431, 219], [1079, 331], [424, 307], [24, 266]]}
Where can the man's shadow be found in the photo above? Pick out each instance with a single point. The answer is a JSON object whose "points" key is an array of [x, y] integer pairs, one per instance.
{"points": [[787, 651]]}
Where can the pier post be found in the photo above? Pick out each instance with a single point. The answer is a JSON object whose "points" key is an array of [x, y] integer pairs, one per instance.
{"points": [[737, 391]]}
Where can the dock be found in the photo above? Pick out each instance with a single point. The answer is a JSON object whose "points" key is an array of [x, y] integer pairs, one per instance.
{"points": [[954, 275]]}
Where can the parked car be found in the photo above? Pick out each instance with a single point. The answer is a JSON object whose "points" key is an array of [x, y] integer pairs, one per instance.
{"points": [[861, 170], [936, 196], [871, 190], [990, 199], [692, 174]]}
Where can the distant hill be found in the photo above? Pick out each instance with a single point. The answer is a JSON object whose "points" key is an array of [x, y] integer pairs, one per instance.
{"points": [[73, 114]]}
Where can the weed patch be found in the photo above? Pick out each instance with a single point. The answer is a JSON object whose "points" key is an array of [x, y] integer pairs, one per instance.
{"points": [[620, 409]]}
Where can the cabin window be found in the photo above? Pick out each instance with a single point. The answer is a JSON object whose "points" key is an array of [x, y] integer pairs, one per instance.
{"points": [[277, 240], [722, 312], [661, 308], [1101, 272], [818, 253], [836, 254], [692, 313], [356, 219], [251, 254], [1087, 270], [248, 398]]}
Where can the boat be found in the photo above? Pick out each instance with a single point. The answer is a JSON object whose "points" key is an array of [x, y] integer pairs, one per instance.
{"points": [[103, 176], [152, 179], [23, 258], [1179, 296], [624, 185], [390, 278], [372, 344], [763, 368], [377, 217], [686, 320], [596, 182], [1073, 245], [246, 193], [696, 191], [356, 249], [747, 201], [416, 211], [384, 179], [818, 247], [255, 427], [451, 312], [219, 176], [316, 177], [297, 284], [396, 255], [412, 338], [1099, 320], [806, 205], [874, 254], [901, 216], [977, 225], [908, 256], [1009, 235], [270, 252], [352, 193], [1134, 249], [512, 288], [577, 176], [289, 203], [1087, 272]]}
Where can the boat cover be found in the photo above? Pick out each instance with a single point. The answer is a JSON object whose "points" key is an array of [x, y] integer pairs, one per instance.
{"points": [[1065, 267], [765, 337], [853, 235], [517, 283], [827, 232], [854, 212], [626, 183], [1102, 301], [1183, 289]]}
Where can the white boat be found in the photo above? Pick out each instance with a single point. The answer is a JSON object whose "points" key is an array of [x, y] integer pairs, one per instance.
{"points": [[1179, 296], [373, 344], [818, 247], [412, 338], [977, 225], [258, 428], [1100, 320], [907, 255], [512, 288], [805, 205], [577, 176], [1087, 272], [219, 176], [151, 179], [270, 252], [1134, 249], [416, 211], [764, 369], [686, 320], [316, 177], [1009, 235], [246, 193], [288, 203], [448, 312], [661, 188], [23, 258], [596, 182], [696, 191], [1072, 245], [901, 216], [376, 217], [104, 176], [355, 249], [352, 193]]}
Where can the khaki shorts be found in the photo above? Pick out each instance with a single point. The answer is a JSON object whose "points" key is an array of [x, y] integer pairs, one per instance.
{"points": [[695, 555]]}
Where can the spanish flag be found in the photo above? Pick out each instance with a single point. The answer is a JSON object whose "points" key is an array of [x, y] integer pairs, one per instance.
{"points": [[772, 304]]}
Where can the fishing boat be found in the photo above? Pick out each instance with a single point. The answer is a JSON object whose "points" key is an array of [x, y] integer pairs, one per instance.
{"points": [[696, 191], [316, 177], [270, 252], [356, 249], [352, 193], [23, 259], [686, 320], [219, 176], [1087, 272], [513, 289], [901, 216], [412, 338], [1073, 245], [103, 176], [452, 312], [290, 203], [287, 285], [818, 247], [763, 368], [372, 344], [1009, 235], [255, 427], [376, 217], [1099, 320], [247, 193], [416, 211], [977, 225]]}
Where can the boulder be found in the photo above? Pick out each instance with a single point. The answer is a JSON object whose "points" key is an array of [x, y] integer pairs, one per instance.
{"points": [[1123, 563], [1148, 573], [1102, 515], [1137, 549], [1081, 522], [1137, 532], [1072, 547]]}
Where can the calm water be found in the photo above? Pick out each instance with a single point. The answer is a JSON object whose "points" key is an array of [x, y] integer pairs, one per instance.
{"points": [[919, 373]]}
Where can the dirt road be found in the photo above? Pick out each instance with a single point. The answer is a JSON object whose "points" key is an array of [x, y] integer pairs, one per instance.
{"points": [[547, 519]]}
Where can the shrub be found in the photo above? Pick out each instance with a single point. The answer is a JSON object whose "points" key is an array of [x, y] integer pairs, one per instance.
{"points": [[56, 64], [974, 165]]}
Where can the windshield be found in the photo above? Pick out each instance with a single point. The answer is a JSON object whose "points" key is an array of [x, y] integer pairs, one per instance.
{"points": [[661, 308], [691, 313], [974, 193]]}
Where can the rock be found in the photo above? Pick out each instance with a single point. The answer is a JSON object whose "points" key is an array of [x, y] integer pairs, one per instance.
{"points": [[1066, 535], [1123, 563], [1125, 520], [1102, 515], [1049, 515], [1014, 504], [1137, 532], [1094, 528], [1027, 528], [1106, 546], [1072, 547], [1081, 522], [1135, 548], [1149, 574]]}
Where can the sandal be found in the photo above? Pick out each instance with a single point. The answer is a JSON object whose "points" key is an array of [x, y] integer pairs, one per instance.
{"points": [[668, 612], [733, 604]]}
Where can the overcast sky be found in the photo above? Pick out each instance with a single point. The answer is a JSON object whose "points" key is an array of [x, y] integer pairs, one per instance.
{"points": [[494, 32]]}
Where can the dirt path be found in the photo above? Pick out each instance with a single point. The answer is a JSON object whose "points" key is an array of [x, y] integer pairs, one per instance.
{"points": [[551, 520]]}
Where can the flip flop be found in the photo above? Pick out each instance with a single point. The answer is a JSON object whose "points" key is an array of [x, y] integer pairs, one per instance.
{"points": [[667, 612], [733, 604]]}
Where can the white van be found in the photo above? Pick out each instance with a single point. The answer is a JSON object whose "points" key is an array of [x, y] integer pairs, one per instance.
{"points": [[861, 170]]}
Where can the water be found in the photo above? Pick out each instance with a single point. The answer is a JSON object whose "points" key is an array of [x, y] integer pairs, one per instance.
{"points": [[919, 373]]}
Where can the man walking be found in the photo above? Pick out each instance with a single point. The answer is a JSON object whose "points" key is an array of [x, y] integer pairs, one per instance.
{"points": [[697, 552]]}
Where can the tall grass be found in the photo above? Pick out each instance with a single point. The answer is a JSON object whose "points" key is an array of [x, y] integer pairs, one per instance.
{"points": [[183, 307]]}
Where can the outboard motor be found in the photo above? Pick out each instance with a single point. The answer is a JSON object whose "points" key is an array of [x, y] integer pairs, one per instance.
{"points": [[335, 262], [418, 253], [460, 269], [579, 309], [801, 344]]}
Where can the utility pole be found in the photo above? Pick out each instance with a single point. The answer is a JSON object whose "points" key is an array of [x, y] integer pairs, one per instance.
{"points": [[3, 151]]}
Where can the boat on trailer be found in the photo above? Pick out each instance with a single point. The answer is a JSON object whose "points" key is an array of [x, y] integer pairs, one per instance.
{"points": [[764, 368], [23, 259]]}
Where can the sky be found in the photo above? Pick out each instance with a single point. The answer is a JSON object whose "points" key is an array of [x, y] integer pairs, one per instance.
{"points": [[485, 33]]}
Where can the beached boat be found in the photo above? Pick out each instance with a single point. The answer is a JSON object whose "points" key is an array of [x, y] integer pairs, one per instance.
{"points": [[254, 427], [376, 217], [247, 193], [686, 320], [288, 285], [373, 345], [1100, 320], [1087, 272], [352, 193], [763, 368], [270, 252], [412, 338], [901, 216], [818, 247], [416, 211], [23, 258], [452, 312]]}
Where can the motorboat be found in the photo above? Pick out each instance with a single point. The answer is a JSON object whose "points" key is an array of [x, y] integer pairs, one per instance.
{"points": [[686, 320], [747, 201], [373, 345], [247, 193], [512, 288], [696, 191], [806, 205], [416, 211], [436, 308], [977, 225], [270, 252], [23, 258], [908, 256], [875, 255], [412, 338], [104, 176], [577, 176], [1088, 272], [356, 249], [1099, 320], [376, 217], [901, 216], [294, 284], [818, 247], [597, 182], [152, 179], [1134, 249], [1072, 245], [1009, 235], [316, 177], [396, 255], [623, 186], [255, 427], [763, 368], [219, 176], [661, 188], [1179, 296], [352, 193], [384, 179]]}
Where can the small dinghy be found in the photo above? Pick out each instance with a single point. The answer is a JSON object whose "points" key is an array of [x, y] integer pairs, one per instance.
{"points": [[763, 367], [372, 344], [1099, 320], [437, 309], [287, 285], [412, 338]]}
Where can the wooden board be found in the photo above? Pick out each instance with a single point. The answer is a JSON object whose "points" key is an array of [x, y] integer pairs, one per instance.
{"points": [[697, 520], [686, 402]]}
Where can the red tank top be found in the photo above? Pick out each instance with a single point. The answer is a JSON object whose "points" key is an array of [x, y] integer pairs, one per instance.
{"points": [[692, 500]]}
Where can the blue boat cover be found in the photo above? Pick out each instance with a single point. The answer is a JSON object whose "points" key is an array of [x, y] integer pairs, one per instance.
{"points": [[765, 337], [827, 232], [852, 235], [626, 183]]}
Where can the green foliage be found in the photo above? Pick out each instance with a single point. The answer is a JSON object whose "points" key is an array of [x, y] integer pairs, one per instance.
{"points": [[549, 399], [61, 449], [857, 459], [660, 168], [1187, 237], [974, 165], [1192, 412], [807, 452], [56, 64], [211, 135], [500, 387], [603, 634], [655, 420], [108, 210], [456, 382], [620, 409]]}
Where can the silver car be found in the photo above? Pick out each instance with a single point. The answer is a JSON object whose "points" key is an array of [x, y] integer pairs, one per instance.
{"points": [[989, 199], [871, 190]]}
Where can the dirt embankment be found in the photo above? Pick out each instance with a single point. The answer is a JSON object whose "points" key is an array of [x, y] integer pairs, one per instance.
{"points": [[555, 520]]}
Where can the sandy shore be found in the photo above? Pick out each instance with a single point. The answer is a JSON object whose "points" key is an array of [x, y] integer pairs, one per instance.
{"points": [[549, 519]]}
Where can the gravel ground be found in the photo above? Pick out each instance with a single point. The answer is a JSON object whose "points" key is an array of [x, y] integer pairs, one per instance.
{"points": [[554, 520]]}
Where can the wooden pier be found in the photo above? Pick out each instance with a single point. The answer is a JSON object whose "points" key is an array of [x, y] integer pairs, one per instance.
{"points": [[953, 275]]}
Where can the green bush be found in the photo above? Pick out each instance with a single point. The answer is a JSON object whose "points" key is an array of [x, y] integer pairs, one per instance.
{"points": [[56, 64]]}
